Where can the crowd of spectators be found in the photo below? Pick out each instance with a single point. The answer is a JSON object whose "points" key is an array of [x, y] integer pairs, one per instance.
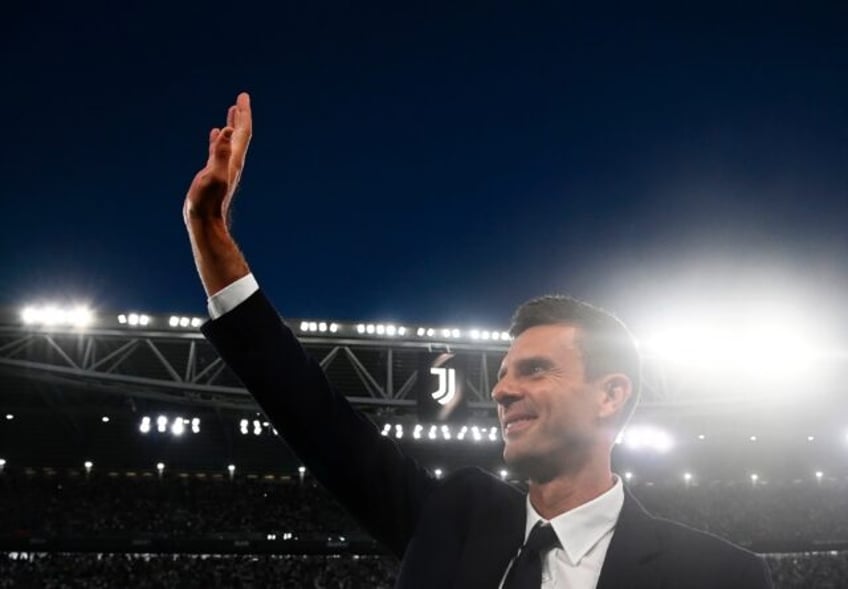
{"points": [[808, 514], [96, 571], [822, 570]]}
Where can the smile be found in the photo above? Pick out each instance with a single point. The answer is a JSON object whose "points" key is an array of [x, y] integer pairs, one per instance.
{"points": [[517, 424]]}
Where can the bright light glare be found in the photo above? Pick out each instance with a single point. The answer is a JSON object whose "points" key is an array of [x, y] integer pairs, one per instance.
{"points": [[647, 438], [77, 316], [765, 342]]}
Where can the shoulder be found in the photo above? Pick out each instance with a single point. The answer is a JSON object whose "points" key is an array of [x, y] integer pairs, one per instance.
{"points": [[682, 552], [680, 539], [694, 552]]}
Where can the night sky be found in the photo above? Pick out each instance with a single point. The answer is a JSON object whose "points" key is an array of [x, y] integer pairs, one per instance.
{"points": [[436, 164]]}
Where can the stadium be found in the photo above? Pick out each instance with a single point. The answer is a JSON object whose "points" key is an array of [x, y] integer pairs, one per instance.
{"points": [[130, 454]]}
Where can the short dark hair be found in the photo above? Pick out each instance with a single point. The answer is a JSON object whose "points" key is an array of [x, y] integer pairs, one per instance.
{"points": [[606, 344]]}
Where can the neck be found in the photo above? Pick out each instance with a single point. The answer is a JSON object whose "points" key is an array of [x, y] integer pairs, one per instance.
{"points": [[566, 491]]}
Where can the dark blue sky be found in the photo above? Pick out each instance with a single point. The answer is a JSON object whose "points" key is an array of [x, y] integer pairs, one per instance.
{"points": [[430, 164]]}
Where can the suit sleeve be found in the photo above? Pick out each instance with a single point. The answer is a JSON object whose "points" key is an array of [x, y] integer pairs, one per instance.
{"points": [[382, 487]]}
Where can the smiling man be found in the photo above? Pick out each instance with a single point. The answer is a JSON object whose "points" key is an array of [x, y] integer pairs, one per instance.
{"points": [[566, 386]]}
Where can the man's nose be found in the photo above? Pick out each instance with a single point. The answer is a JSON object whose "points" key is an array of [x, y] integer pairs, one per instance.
{"points": [[505, 391]]}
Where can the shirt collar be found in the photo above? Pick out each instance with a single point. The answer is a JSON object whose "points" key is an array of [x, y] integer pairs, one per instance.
{"points": [[581, 528]]}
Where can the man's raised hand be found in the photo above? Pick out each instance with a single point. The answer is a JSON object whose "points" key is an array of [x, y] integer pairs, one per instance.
{"points": [[207, 205], [212, 189]]}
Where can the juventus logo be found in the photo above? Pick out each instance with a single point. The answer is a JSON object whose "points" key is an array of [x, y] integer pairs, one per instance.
{"points": [[447, 385]]}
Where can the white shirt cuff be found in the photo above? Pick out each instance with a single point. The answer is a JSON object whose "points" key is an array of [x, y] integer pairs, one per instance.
{"points": [[231, 296]]}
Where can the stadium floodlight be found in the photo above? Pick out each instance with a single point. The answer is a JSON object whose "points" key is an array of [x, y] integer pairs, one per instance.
{"points": [[810, 438], [438, 473], [760, 343], [380, 329], [184, 321], [446, 332], [702, 437], [196, 321], [161, 424], [753, 438], [687, 476], [2, 462], [475, 333], [401, 330], [160, 466], [391, 330], [754, 478], [52, 315], [370, 328], [195, 425], [455, 332], [504, 474], [145, 425], [420, 331], [322, 327], [628, 475], [432, 434], [493, 434], [104, 419], [88, 464], [178, 426], [313, 326], [360, 329], [431, 332], [257, 427], [122, 319], [819, 475], [243, 426], [398, 431], [173, 321], [231, 468], [647, 438], [9, 417], [496, 336], [485, 335], [301, 470], [334, 327]]}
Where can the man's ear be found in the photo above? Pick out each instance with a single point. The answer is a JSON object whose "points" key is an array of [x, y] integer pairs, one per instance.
{"points": [[616, 390]]}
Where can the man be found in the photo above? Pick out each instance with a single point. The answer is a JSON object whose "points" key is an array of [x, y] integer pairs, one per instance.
{"points": [[566, 387]]}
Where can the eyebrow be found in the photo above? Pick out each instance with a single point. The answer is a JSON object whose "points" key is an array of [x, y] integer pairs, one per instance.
{"points": [[525, 365]]}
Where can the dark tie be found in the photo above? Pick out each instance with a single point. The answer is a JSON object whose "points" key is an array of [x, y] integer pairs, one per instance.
{"points": [[526, 571]]}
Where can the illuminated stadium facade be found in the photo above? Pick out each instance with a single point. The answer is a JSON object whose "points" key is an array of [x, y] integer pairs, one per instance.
{"points": [[131, 390]]}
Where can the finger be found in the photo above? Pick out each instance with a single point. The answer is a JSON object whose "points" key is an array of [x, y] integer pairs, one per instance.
{"points": [[243, 129], [213, 137], [245, 116], [220, 150], [231, 116]]}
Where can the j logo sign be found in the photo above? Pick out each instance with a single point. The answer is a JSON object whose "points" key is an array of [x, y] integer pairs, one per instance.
{"points": [[447, 385], [439, 387]]}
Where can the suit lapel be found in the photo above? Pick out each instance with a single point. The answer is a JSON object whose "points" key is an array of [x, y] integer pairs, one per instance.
{"points": [[634, 550], [493, 539]]}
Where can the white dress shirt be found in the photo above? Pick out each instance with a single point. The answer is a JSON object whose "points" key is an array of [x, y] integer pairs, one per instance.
{"points": [[231, 296], [584, 532]]}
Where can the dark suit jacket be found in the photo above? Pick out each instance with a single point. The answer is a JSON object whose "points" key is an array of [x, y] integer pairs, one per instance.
{"points": [[458, 532]]}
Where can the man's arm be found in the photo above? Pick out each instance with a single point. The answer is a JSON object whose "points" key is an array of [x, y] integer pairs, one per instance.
{"points": [[206, 210], [370, 475]]}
